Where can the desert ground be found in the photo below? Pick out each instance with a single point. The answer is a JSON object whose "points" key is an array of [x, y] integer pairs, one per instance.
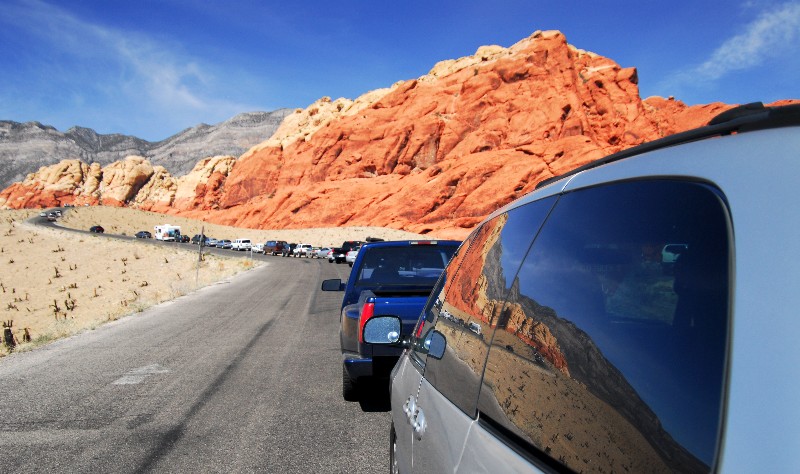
{"points": [[56, 283]]}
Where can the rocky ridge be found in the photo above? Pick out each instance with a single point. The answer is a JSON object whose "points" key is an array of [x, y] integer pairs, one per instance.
{"points": [[25, 147], [431, 155]]}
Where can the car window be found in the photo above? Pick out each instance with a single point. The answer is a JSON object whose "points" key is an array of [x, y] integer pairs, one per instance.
{"points": [[469, 301], [610, 352], [412, 265]]}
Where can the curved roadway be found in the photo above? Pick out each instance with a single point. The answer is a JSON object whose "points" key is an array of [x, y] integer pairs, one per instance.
{"points": [[240, 376]]}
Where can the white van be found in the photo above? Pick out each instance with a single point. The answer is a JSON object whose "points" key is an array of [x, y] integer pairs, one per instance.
{"points": [[241, 244]]}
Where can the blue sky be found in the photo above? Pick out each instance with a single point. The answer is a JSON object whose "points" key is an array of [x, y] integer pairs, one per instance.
{"points": [[151, 68]]}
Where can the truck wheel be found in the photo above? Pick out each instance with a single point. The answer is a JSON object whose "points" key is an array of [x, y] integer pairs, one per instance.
{"points": [[349, 389]]}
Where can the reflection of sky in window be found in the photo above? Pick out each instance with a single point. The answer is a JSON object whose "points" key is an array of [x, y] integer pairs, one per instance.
{"points": [[518, 233], [554, 276]]}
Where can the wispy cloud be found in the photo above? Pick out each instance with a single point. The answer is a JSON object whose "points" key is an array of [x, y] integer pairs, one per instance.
{"points": [[146, 75], [773, 33]]}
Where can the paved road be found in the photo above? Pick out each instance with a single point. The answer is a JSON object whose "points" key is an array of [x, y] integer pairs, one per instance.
{"points": [[241, 376]]}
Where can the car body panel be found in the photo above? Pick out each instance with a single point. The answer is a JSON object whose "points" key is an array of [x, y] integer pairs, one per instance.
{"points": [[485, 453], [405, 380], [446, 424]]}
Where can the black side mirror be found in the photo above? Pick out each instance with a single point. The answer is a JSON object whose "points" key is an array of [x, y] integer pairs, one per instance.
{"points": [[435, 344], [334, 284]]}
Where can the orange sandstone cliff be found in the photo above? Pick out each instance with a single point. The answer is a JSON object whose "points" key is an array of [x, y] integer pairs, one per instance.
{"points": [[430, 155]]}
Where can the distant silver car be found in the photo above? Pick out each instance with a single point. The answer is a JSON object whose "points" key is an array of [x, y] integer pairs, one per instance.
{"points": [[321, 252], [350, 256], [557, 340]]}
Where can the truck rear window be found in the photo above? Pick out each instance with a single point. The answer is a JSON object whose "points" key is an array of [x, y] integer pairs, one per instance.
{"points": [[406, 266]]}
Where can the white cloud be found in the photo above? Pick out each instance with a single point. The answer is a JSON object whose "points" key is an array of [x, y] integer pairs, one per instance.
{"points": [[116, 71], [772, 33]]}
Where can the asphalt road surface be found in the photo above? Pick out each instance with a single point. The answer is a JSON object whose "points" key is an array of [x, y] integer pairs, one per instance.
{"points": [[241, 376]]}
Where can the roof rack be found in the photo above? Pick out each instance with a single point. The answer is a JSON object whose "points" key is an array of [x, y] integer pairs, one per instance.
{"points": [[744, 118]]}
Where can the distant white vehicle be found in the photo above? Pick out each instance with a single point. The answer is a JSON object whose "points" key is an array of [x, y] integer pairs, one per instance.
{"points": [[241, 244], [303, 250], [475, 327], [167, 232], [258, 248]]}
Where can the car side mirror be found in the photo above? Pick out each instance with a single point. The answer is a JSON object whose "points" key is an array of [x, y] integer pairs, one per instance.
{"points": [[382, 330], [435, 344], [334, 284]]}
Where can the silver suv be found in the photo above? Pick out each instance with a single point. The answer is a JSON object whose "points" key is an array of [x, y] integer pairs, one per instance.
{"points": [[570, 340]]}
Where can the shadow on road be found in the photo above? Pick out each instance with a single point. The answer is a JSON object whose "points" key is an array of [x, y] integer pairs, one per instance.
{"points": [[374, 396]]}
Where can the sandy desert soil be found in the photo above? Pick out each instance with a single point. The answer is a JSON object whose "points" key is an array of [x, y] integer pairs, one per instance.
{"points": [[55, 283]]}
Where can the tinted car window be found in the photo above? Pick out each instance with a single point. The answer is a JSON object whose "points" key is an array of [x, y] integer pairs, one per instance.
{"points": [[467, 305], [610, 356], [404, 266]]}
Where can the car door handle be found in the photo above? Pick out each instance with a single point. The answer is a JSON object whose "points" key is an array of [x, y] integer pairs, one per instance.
{"points": [[410, 407], [419, 425], [415, 416]]}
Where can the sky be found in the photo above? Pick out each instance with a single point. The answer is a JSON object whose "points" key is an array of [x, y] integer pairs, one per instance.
{"points": [[152, 68]]}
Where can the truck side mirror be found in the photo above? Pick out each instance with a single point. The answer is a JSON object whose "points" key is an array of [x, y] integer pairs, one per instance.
{"points": [[382, 330], [334, 284]]}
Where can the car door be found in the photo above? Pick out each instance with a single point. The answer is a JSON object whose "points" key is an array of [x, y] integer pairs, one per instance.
{"points": [[409, 422], [466, 311]]}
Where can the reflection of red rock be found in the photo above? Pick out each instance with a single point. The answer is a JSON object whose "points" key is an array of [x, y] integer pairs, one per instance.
{"points": [[537, 335], [431, 155], [473, 297]]}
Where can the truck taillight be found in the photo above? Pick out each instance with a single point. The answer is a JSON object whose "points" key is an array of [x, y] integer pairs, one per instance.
{"points": [[366, 312]]}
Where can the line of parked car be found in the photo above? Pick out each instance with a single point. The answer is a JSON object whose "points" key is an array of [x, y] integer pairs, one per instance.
{"points": [[236, 244], [344, 254]]}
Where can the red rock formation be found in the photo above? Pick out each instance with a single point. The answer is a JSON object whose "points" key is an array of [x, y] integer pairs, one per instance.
{"points": [[439, 153], [431, 155]]}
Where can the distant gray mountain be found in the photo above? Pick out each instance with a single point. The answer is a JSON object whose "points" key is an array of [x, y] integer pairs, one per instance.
{"points": [[26, 147]]}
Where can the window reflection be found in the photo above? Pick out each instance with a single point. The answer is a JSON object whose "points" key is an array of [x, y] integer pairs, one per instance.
{"points": [[613, 335], [468, 305]]}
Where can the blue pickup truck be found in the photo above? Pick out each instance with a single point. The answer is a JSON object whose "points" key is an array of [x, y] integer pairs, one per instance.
{"points": [[388, 278]]}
